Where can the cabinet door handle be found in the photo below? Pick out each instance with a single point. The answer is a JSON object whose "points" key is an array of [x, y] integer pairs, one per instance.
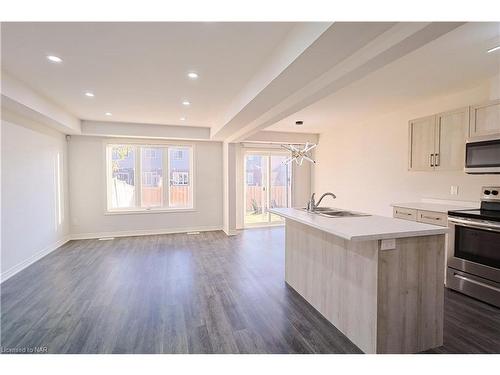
{"points": [[403, 213], [431, 160], [438, 160], [430, 217]]}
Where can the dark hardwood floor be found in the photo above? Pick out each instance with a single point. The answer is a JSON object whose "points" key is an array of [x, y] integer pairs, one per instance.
{"points": [[180, 293]]}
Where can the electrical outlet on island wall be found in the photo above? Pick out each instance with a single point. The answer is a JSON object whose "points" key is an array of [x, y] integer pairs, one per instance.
{"points": [[454, 190]]}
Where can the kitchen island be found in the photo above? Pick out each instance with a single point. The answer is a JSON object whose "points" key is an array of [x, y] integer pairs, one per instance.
{"points": [[379, 280]]}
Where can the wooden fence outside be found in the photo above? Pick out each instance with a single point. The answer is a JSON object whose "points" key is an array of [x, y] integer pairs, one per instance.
{"points": [[179, 196], [278, 197]]}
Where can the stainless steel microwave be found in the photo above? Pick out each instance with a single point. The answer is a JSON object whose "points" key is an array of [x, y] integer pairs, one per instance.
{"points": [[483, 156]]}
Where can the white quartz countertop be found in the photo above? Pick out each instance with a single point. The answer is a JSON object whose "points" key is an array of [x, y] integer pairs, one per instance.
{"points": [[362, 228], [435, 207]]}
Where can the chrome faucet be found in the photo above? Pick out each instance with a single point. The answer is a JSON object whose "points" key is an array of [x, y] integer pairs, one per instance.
{"points": [[312, 205]]}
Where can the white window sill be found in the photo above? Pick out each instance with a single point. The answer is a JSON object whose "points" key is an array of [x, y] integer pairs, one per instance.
{"points": [[150, 211]]}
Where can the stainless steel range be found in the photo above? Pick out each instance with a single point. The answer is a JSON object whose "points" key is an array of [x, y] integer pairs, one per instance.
{"points": [[474, 249]]}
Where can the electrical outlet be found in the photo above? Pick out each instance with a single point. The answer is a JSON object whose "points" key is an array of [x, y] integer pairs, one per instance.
{"points": [[454, 190]]}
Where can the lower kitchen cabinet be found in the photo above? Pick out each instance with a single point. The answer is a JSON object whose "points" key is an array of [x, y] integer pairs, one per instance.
{"points": [[431, 217], [439, 218], [423, 216]]}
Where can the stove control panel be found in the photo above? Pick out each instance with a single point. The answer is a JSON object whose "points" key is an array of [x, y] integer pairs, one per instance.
{"points": [[490, 193]]}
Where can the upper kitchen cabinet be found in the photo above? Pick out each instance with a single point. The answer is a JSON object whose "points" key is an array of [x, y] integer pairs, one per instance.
{"points": [[422, 134], [451, 131], [485, 119], [437, 142]]}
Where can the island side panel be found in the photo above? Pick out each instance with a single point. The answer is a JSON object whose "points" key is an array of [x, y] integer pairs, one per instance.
{"points": [[337, 277], [411, 295]]}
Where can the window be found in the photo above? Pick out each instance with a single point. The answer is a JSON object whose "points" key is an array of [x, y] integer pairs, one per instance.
{"points": [[136, 177], [122, 182], [178, 169], [152, 172]]}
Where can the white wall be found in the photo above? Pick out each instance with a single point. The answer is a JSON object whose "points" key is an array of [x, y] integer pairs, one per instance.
{"points": [[366, 164], [302, 182], [229, 188], [87, 199], [34, 215]]}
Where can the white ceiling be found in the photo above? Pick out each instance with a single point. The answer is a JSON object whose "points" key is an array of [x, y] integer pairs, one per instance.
{"points": [[138, 70], [455, 61]]}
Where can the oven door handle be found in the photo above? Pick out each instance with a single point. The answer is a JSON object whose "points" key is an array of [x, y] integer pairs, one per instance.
{"points": [[485, 225], [475, 282]]}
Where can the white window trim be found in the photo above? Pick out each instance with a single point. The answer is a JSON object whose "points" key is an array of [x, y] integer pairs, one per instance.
{"points": [[137, 178]]}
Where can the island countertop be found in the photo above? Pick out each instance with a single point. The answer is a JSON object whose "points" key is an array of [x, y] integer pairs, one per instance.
{"points": [[362, 228]]}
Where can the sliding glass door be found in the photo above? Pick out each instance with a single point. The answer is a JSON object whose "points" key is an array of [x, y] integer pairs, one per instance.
{"points": [[279, 184], [267, 185]]}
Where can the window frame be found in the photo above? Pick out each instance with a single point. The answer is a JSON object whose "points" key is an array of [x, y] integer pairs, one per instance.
{"points": [[137, 145]]}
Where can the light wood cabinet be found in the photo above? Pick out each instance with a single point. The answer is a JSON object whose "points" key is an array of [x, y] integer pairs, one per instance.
{"points": [[431, 217], [422, 216], [485, 119], [422, 134], [405, 213], [437, 142], [451, 131]]}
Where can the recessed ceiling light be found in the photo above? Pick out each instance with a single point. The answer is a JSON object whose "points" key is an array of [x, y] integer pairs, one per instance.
{"points": [[108, 114], [493, 49], [193, 75], [89, 94], [182, 119], [54, 59], [186, 102]]}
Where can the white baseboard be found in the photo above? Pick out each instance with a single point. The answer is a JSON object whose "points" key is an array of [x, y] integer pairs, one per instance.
{"points": [[143, 232], [32, 259], [232, 232]]}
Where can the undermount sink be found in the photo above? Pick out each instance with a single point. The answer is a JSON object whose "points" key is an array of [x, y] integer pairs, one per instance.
{"points": [[333, 212], [342, 214], [321, 209]]}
